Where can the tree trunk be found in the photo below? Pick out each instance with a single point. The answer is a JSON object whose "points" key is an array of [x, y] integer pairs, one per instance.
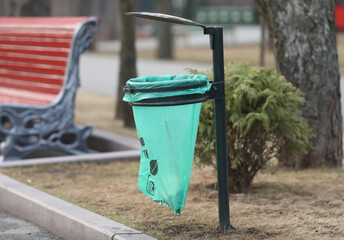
{"points": [[3, 11], [189, 9], [25, 8], [36, 8], [84, 7], [165, 36], [305, 48], [262, 42], [127, 62]]}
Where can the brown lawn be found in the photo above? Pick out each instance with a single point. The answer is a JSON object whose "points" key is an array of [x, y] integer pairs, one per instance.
{"points": [[282, 204]]}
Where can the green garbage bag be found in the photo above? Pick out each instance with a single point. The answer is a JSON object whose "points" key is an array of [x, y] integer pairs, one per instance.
{"points": [[167, 135]]}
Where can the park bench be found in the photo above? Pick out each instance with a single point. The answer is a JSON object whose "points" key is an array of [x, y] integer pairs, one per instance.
{"points": [[39, 77]]}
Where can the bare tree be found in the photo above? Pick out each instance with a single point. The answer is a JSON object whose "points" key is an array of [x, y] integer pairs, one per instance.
{"points": [[4, 8], [305, 48], [127, 62], [25, 7], [35, 8], [165, 36]]}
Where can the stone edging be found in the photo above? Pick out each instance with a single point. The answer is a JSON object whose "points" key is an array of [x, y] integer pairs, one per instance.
{"points": [[60, 217]]}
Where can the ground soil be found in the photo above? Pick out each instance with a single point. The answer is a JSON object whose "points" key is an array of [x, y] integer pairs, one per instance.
{"points": [[282, 204]]}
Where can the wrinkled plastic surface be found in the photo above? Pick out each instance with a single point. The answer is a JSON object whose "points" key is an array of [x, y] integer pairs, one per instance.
{"points": [[167, 135], [166, 81]]}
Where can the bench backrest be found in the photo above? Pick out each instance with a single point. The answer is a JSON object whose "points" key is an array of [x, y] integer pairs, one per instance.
{"points": [[37, 54]]}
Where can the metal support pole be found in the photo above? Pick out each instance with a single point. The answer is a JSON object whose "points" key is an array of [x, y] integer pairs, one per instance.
{"points": [[218, 94], [216, 41]]}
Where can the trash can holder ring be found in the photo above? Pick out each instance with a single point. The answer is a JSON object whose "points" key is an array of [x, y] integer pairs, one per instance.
{"points": [[167, 90]]}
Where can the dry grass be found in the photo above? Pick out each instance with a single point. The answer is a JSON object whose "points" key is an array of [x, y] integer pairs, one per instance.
{"points": [[281, 205], [98, 111]]}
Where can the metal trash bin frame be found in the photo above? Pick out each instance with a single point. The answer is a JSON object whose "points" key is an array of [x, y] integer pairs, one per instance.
{"points": [[217, 92]]}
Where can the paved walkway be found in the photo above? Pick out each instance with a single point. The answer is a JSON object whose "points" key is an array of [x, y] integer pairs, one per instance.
{"points": [[99, 72], [13, 228]]}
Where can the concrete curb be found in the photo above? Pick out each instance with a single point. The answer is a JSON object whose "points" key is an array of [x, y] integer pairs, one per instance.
{"points": [[92, 157], [125, 148], [60, 217]]}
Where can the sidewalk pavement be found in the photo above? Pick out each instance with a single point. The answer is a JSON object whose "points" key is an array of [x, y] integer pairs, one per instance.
{"points": [[189, 37], [13, 228], [99, 72], [59, 217]]}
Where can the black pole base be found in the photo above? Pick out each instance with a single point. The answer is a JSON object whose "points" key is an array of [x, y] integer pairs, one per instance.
{"points": [[225, 229]]}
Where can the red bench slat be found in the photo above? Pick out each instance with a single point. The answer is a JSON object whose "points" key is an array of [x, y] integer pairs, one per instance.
{"points": [[44, 51], [34, 54], [30, 86], [41, 23], [32, 77], [19, 96], [42, 42], [31, 58], [36, 68], [22, 101], [62, 34]]}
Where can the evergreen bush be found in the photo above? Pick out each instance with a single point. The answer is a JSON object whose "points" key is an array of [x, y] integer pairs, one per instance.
{"points": [[263, 122]]}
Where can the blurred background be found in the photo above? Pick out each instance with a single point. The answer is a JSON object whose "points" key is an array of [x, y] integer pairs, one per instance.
{"points": [[234, 15], [246, 38], [244, 30]]}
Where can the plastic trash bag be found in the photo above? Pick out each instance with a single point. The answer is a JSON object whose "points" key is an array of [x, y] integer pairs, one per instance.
{"points": [[168, 136], [158, 86]]}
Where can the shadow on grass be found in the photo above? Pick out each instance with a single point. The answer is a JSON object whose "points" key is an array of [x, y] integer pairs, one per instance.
{"points": [[266, 190], [203, 231]]}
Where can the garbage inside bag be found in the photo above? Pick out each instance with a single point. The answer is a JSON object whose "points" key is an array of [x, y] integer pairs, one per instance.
{"points": [[167, 135]]}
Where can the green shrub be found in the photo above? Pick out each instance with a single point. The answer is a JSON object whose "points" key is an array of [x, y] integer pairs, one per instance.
{"points": [[263, 122]]}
